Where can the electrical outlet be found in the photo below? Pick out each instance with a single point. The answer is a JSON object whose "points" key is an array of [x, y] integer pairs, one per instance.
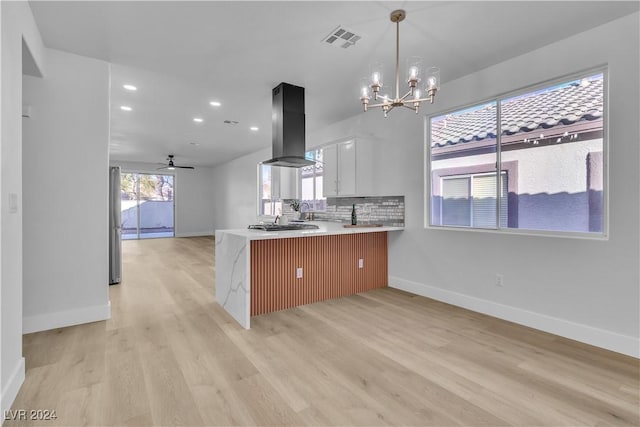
{"points": [[360, 263], [299, 273], [499, 280]]}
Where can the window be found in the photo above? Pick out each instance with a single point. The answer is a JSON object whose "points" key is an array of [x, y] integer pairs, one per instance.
{"points": [[269, 203], [147, 208], [547, 145], [311, 182], [278, 184], [469, 200]]}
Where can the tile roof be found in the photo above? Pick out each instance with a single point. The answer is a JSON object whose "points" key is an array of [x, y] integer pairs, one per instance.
{"points": [[546, 109]]}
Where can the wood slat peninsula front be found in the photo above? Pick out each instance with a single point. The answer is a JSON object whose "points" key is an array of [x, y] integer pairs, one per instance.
{"points": [[256, 270], [331, 268]]}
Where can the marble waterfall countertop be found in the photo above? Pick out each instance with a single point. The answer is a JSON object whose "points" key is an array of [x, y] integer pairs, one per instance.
{"points": [[233, 261], [326, 228]]}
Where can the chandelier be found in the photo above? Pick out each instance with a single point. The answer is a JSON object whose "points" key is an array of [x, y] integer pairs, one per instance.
{"points": [[412, 98]]}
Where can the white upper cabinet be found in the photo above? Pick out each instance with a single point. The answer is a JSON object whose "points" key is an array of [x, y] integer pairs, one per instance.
{"points": [[347, 168], [330, 172], [339, 173]]}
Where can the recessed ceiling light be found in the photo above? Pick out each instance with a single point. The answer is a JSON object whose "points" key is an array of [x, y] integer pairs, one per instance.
{"points": [[130, 87], [215, 104], [254, 128], [125, 108], [198, 120]]}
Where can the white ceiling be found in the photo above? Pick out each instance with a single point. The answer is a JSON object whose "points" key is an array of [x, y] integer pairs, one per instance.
{"points": [[181, 55]]}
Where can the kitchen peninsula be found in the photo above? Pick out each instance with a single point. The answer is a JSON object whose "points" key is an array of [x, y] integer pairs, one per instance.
{"points": [[258, 272]]}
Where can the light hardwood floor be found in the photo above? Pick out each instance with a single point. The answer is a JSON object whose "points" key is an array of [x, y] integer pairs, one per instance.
{"points": [[171, 356]]}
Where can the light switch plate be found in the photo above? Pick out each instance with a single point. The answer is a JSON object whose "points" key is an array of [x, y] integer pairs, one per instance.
{"points": [[299, 273], [360, 263], [13, 203]]}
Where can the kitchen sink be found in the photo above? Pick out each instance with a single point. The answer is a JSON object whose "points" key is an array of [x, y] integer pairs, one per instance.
{"points": [[283, 227]]}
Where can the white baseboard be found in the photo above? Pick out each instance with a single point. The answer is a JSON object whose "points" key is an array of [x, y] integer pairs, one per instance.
{"points": [[195, 234], [587, 334], [10, 390], [61, 319]]}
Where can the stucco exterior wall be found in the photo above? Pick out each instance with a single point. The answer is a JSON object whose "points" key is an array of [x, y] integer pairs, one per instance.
{"points": [[552, 187]]}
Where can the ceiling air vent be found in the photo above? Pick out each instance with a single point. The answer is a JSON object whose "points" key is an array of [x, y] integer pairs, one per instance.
{"points": [[341, 37]]}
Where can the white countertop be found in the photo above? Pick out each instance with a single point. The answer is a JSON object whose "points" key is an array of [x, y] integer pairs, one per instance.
{"points": [[327, 228]]}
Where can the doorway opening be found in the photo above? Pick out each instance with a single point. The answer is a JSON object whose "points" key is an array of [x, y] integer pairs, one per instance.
{"points": [[147, 205]]}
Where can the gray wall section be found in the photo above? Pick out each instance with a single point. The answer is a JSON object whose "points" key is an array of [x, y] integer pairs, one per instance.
{"points": [[559, 211], [595, 180], [154, 214]]}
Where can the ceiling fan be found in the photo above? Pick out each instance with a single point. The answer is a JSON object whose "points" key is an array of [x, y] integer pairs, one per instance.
{"points": [[171, 166]]}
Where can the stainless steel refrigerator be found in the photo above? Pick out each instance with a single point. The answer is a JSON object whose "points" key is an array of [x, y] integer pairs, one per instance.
{"points": [[115, 246]]}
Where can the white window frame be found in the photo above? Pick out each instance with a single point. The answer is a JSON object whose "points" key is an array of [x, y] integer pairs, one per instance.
{"points": [[604, 235]]}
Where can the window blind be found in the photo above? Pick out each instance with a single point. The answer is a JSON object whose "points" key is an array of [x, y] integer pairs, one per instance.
{"points": [[484, 201], [456, 203]]}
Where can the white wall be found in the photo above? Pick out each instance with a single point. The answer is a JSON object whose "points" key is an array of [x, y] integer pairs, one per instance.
{"points": [[17, 31], [235, 191], [65, 180], [583, 289], [194, 203]]}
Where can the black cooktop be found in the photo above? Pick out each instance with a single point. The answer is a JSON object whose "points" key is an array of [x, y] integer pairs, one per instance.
{"points": [[282, 227]]}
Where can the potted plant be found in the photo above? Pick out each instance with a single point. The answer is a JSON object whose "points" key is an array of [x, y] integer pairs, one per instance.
{"points": [[295, 205]]}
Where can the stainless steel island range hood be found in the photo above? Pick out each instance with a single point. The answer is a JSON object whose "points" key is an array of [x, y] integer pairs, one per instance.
{"points": [[288, 127]]}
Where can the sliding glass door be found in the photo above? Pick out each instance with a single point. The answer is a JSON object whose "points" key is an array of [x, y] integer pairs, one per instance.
{"points": [[147, 205]]}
